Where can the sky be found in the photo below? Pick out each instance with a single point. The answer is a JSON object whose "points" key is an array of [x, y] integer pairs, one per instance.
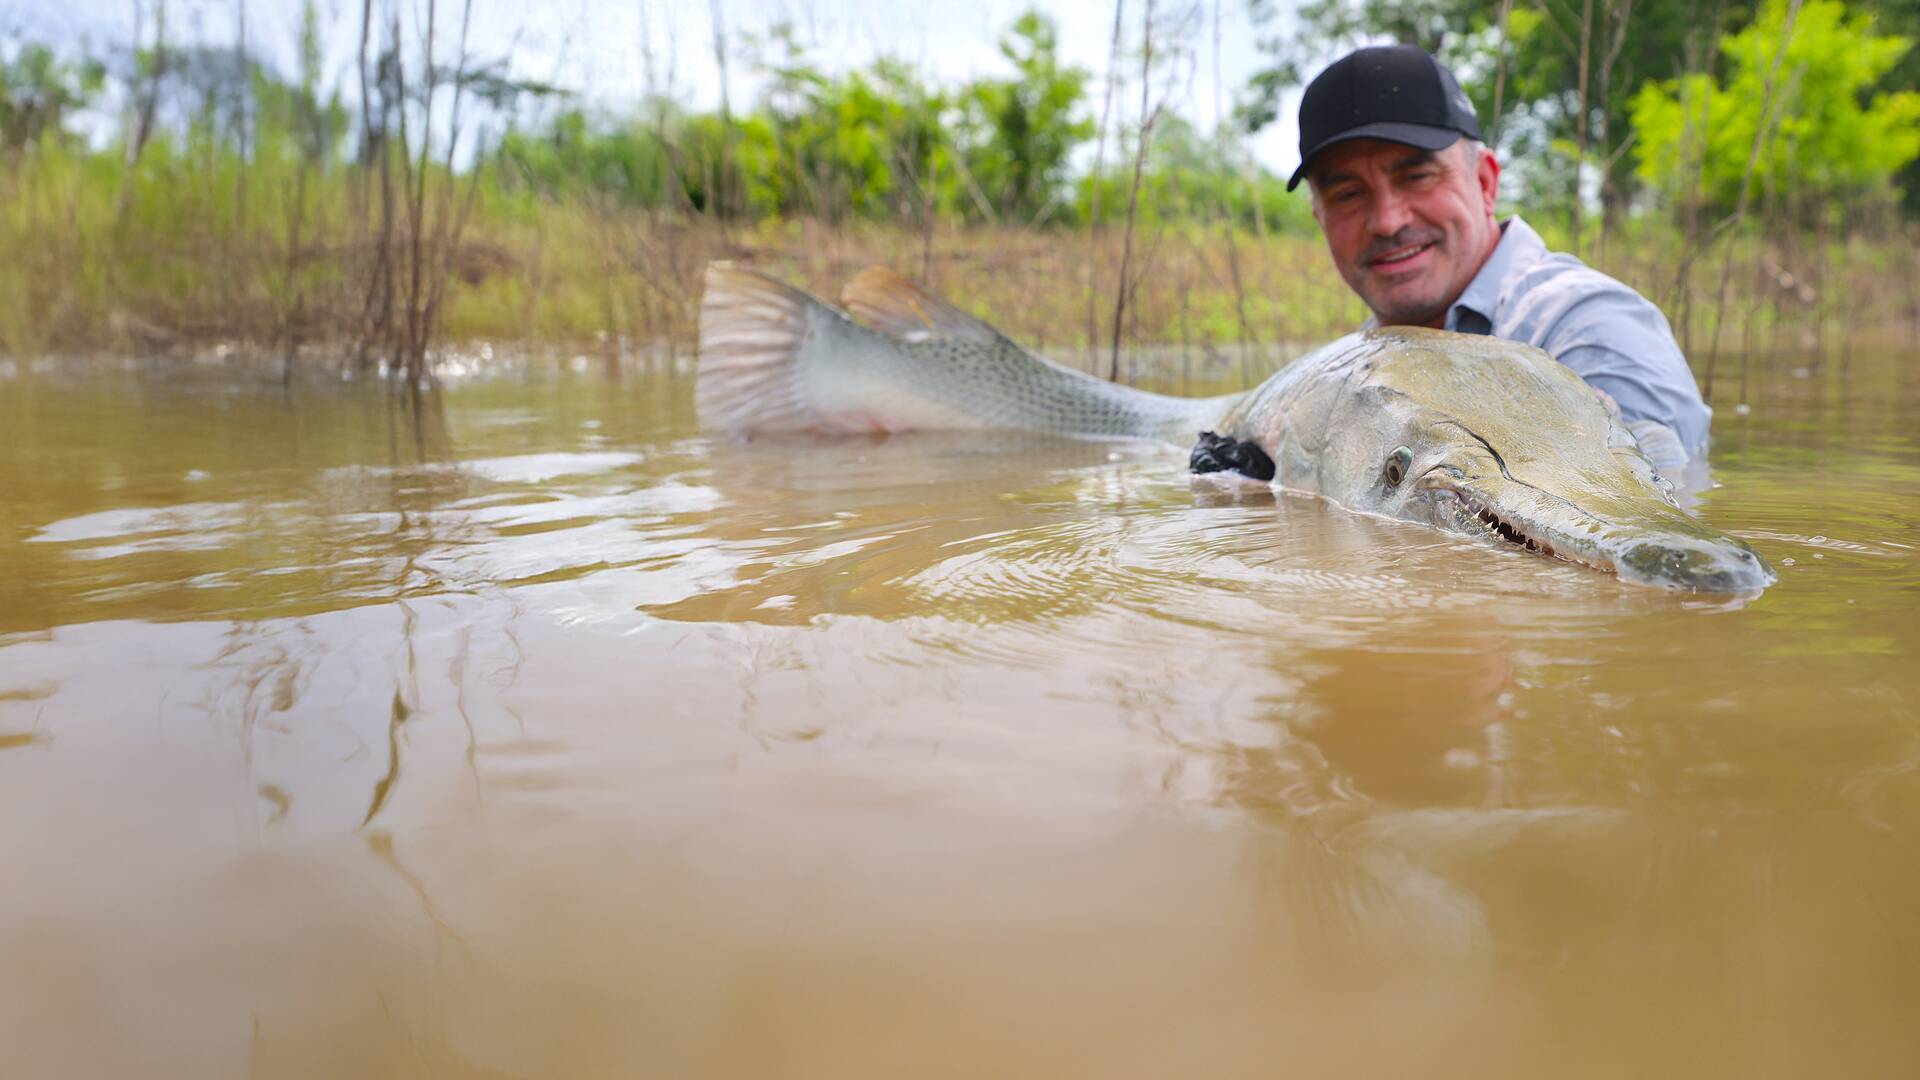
{"points": [[594, 47]]}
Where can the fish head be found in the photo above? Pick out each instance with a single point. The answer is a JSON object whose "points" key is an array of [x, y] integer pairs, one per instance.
{"points": [[1495, 439]]}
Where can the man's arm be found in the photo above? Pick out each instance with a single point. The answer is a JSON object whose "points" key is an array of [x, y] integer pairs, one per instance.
{"points": [[1660, 393], [1619, 343]]}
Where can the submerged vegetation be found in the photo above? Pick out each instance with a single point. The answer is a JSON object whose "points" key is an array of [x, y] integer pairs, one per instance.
{"points": [[1754, 160]]}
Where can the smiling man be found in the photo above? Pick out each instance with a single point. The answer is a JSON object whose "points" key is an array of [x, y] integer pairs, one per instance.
{"points": [[1404, 191]]}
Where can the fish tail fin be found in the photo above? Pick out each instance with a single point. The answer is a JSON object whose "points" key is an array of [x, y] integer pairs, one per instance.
{"points": [[753, 331]]}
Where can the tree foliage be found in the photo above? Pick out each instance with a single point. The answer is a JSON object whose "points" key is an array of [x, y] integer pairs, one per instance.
{"points": [[38, 91], [1827, 135], [882, 142], [867, 143], [1021, 131], [1193, 176]]}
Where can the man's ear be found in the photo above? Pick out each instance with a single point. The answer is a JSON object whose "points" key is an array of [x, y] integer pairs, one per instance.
{"points": [[1487, 172]]}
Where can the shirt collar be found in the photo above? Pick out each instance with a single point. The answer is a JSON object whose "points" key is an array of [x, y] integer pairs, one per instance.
{"points": [[1518, 245]]}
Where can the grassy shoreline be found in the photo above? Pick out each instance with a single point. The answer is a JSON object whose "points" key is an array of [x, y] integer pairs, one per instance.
{"points": [[274, 260]]}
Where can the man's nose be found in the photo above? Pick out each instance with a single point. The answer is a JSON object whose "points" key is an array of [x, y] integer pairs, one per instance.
{"points": [[1388, 212]]}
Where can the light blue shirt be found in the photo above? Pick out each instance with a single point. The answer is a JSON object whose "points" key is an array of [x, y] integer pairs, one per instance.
{"points": [[1610, 335]]}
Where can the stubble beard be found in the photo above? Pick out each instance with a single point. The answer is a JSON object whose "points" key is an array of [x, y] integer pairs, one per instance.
{"points": [[1397, 307], [1390, 305]]}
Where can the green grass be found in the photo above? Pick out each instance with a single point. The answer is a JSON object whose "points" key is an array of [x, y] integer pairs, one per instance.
{"points": [[191, 249]]}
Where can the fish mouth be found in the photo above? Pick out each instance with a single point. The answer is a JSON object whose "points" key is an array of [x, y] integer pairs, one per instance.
{"points": [[1467, 511], [1655, 544]]}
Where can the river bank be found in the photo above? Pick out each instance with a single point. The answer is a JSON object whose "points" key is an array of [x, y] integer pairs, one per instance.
{"points": [[281, 262]]}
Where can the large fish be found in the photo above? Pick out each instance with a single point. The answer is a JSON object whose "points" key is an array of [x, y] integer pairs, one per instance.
{"points": [[1472, 435]]}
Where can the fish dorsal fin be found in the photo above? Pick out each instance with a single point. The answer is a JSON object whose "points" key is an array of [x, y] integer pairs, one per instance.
{"points": [[893, 305]]}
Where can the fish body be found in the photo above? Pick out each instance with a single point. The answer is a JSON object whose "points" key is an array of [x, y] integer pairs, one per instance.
{"points": [[1472, 435], [773, 358]]}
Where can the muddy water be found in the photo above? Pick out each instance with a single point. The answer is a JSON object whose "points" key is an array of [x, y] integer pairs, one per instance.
{"points": [[549, 737]]}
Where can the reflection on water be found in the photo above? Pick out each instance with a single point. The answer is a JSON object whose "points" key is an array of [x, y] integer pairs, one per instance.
{"points": [[552, 737]]}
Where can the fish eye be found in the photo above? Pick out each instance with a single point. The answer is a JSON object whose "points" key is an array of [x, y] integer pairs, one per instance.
{"points": [[1398, 463]]}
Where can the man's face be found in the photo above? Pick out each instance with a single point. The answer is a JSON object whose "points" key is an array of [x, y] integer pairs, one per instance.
{"points": [[1408, 228]]}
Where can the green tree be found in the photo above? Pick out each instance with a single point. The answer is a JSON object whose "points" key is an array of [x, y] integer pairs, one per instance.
{"points": [[1191, 176], [1901, 17], [1022, 131], [38, 91], [1830, 136], [863, 143]]}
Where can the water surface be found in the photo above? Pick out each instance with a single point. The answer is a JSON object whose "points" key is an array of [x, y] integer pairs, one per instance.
{"points": [[549, 736]]}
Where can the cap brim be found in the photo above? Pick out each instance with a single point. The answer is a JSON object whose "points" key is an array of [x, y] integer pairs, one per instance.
{"points": [[1421, 136]]}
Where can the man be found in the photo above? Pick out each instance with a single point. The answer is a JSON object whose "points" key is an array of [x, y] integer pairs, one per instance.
{"points": [[1404, 192]]}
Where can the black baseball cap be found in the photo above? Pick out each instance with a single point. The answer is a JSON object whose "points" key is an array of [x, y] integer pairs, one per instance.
{"points": [[1394, 92]]}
